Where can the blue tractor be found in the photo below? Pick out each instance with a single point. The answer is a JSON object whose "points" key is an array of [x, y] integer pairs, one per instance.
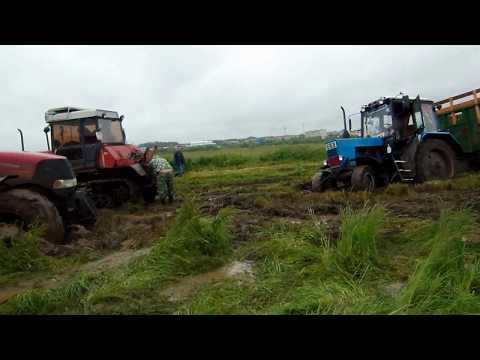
{"points": [[401, 139]]}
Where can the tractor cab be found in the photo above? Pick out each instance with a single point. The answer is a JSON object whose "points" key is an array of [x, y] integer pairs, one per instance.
{"points": [[79, 134], [387, 124], [397, 119]]}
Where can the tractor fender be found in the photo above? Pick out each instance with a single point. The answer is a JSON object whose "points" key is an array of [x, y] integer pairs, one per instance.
{"points": [[444, 136]]}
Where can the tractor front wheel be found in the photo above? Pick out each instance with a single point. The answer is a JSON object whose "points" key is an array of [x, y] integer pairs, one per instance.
{"points": [[363, 178], [31, 208], [321, 181]]}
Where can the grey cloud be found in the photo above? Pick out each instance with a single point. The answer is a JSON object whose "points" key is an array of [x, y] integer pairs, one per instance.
{"points": [[184, 93]]}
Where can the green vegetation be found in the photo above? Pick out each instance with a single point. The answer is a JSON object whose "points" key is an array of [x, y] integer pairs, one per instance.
{"points": [[357, 247], [194, 244], [404, 250], [443, 282], [21, 253], [236, 157]]}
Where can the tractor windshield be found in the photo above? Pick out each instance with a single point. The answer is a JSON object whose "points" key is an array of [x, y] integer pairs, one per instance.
{"points": [[111, 131], [378, 122]]}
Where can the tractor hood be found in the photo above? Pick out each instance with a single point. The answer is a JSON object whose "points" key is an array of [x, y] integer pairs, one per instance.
{"points": [[346, 148], [15, 159]]}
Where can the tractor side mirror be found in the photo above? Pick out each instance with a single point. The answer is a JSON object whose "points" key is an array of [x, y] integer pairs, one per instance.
{"points": [[98, 134]]}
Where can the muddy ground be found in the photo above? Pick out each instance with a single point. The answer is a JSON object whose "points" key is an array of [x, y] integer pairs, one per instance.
{"points": [[124, 234]]}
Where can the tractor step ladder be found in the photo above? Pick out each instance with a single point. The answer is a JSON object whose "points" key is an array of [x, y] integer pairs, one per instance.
{"points": [[403, 171]]}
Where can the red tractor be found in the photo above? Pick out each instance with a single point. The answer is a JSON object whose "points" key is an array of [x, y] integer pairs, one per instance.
{"points": [[40, 188], [112, 171]]}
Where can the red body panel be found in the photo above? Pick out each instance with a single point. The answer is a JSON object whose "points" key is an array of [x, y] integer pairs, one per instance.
{"points": [[22, 163], [113, 156]]}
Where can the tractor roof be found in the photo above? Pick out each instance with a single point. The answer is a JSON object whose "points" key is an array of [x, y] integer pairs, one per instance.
{"points": [[72, 113], [391, 99]]}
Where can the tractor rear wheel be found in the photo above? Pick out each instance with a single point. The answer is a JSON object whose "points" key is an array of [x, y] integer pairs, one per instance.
{"points": [[363, 178], [31, 208], [435, 160]]}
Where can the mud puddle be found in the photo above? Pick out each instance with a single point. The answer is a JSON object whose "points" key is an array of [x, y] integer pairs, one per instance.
{"points": [[185, 287]]}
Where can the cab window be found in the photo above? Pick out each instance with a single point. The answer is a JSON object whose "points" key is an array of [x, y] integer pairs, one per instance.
{"points": [[111, 131], [90, 131], [66, 134], [429, 117]]}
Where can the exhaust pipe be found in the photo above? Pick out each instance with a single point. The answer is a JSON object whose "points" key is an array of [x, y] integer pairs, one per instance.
{"points": [[346, 134], [46, 130], [21, 138]]}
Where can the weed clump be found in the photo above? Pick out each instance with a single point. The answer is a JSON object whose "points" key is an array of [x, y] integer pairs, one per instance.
{"points": [[194, 243], [357, 247], [22, 252], [443, 282]]}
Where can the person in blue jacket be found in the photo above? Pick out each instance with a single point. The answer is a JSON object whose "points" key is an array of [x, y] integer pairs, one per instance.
{"points": [[179, 161]]}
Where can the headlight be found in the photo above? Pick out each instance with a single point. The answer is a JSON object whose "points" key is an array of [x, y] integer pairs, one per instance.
{"points": [[64, 183], [340, 158], [324, 162]]}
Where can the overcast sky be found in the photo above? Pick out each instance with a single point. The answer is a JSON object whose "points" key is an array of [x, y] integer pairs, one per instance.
{"points": [[191, 93]]}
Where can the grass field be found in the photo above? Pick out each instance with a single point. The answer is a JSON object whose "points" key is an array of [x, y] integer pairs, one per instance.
{"points": [[246, 237], [249, 155]]}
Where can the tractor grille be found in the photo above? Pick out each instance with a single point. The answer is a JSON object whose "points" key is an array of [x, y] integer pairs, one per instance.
{"points": [[332, 153]]}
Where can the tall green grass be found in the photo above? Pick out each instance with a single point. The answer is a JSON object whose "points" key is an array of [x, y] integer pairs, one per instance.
{"points": [[194, 243], [357, 247], [442, 283]]}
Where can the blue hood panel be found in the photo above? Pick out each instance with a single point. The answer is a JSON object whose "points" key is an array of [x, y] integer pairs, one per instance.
{"points": [[346, 147]]}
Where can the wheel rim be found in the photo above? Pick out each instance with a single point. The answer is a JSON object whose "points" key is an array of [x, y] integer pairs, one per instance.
{"points": [[370, 182], [437, 166]]}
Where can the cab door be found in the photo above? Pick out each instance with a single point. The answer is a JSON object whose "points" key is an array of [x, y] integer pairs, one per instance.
{"points": [[91, 144]]}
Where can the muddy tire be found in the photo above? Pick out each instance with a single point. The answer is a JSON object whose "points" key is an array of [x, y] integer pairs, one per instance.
{"points": [[31, 208], [435, 160], [319, 184], [363, 178]]}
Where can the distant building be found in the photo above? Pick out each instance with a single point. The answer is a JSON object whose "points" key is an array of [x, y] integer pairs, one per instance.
{"points": [[322, 133], [201, 143], [286, 137]]}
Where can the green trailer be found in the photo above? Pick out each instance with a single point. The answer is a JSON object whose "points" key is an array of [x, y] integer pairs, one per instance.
{"points": [[460, 116]]}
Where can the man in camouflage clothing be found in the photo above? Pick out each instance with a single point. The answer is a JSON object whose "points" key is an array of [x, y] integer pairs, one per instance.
{"points": [[163, 171]]}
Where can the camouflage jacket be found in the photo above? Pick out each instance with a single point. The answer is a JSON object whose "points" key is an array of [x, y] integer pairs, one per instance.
{"points": [[157, 164]]}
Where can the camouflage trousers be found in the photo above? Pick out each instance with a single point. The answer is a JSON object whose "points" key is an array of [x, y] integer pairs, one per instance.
{"points": [[165, 186]]}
